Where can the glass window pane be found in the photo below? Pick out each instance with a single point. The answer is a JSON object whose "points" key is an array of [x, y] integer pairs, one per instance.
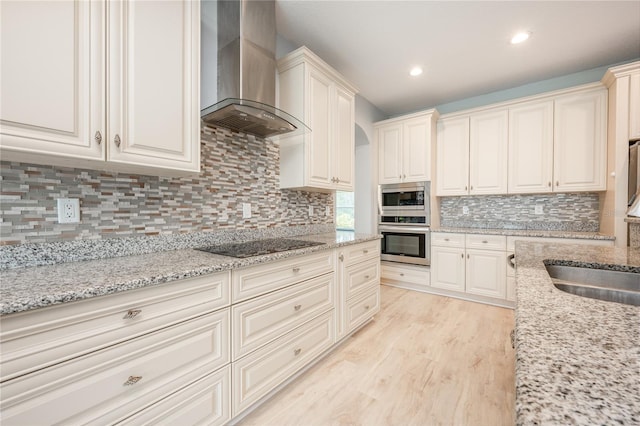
{"points": [[345, 217]]}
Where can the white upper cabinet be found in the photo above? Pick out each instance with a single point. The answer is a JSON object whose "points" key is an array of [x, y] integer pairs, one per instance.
{"points": [[634, 106], [55, 98], [555, 142], [488, 152], [154, 116], [453, 156], [52, 79], [312, 91], [404, 148], [531, 147], [580, 141]]}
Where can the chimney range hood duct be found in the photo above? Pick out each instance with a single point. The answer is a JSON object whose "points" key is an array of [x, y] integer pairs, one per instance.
{"points": [[247, 71]]}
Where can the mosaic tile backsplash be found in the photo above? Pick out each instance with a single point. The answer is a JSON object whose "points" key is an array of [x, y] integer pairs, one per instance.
{"points": [[561, 212], [236, 168]]}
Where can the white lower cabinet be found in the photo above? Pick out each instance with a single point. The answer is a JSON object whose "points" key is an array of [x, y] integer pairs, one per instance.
{"points": [[404, 275], [201, 350], [205, 402], [472, 265], [110, 384], [255, 375]]}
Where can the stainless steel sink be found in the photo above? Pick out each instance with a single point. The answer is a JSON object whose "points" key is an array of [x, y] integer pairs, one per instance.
{"points": [[612, 286]]}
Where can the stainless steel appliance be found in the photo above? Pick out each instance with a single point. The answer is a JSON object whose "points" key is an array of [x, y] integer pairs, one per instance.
{"points": [[404, 221], [406, 244]]}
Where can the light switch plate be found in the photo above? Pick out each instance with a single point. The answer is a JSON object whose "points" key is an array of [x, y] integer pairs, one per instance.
{"points": [[68, 210], [465, 210], [310, 211], [246, 210], [538, 209]]}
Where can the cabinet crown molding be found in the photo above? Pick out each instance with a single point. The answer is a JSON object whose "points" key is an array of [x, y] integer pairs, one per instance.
{"points": [[304, 55], [433, 112], [514, 102], [614, 73]]}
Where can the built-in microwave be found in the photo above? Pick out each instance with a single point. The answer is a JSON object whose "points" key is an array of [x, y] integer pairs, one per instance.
{"points": [[405, 199]]}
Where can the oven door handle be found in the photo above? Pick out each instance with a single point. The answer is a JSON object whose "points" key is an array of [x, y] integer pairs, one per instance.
{"points": [[379, 199], [402, 228]]}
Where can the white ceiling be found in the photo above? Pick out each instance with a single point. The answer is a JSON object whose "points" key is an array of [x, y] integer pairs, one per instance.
{"points": [[463, 46]]}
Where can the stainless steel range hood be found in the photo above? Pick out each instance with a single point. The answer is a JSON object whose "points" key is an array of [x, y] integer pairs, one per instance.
{"points": [[247, 71]]}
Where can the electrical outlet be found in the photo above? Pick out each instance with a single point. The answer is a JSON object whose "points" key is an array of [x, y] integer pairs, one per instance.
{"points": [[465, 210], [327, 211], [68, 210], [310, 211], [246, 210], [538, 209]]}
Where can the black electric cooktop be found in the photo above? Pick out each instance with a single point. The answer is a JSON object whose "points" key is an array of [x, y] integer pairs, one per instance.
{"points": [[258, 247]]}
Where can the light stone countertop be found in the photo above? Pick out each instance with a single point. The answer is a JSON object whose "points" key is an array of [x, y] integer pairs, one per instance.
{"points": [[41, 286], [632, 219], [526, 233], [577, 359]]}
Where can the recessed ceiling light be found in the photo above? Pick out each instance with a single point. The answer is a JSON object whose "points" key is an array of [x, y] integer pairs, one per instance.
{"points": [[415, 71], [520, 37]]}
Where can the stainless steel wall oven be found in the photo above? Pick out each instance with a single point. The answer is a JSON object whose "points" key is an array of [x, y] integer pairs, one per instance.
{"points": [[404, 222]]}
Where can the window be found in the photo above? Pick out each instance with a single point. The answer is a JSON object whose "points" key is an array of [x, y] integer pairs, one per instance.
{"points": [[345, 215]]}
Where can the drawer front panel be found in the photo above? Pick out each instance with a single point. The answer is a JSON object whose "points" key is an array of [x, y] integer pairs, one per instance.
{"points": [[359, 252], [256, 375], [116, 382], [362, 308], [405, 274], [447, 240], [362, 276], [487, 242], [263, 319], [261, 279], [206, 402], [37, 339]]}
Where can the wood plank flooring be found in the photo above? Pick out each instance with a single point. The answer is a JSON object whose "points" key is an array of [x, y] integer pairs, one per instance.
{"points": [[424, 360]]}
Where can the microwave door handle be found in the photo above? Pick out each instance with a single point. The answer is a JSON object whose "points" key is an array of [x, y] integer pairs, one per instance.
{"points": [[380, 199]]}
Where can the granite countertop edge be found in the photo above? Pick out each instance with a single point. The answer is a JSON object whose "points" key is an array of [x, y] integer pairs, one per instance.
{"points": [[576, 358], [30, 288], [526, 233]]}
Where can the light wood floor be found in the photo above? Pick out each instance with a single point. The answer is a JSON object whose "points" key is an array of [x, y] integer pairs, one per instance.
{"points": [[425, 360]]}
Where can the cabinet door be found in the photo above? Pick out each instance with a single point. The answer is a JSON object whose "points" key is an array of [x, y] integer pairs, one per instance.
{"points": [[319, 112], [453, 156], [344, 141], [531, 148], [389, 152], [485, 274], [447, 268], [580, 141], [52, 79], [488, 144], [416, 150], [154, 50], [634, 106]]}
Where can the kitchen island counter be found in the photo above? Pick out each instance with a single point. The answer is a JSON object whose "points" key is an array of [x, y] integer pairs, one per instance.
{"points": [[24, 289], [577, 359]]}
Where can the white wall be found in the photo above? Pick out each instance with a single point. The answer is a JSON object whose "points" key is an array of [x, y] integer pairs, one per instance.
{"points": [[208, 53], [365, 177]]}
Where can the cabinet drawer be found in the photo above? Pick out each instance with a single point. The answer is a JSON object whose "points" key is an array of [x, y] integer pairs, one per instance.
{"points": [[261, 279], [447, 239], [361, 308], [406, 274], [103, 385], [205, 402], [263, 319], [359, 252], [36, 339], [486, 242], [362, 276], [256, 375]]}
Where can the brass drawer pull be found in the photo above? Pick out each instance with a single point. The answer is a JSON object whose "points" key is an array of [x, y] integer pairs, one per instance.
{"points": [[296, 352], [296, 270], [297, 307], [132, 313], [366, 308], [366, 277], [98, 137], [365, 251], [484, 241], [132, 380]]}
